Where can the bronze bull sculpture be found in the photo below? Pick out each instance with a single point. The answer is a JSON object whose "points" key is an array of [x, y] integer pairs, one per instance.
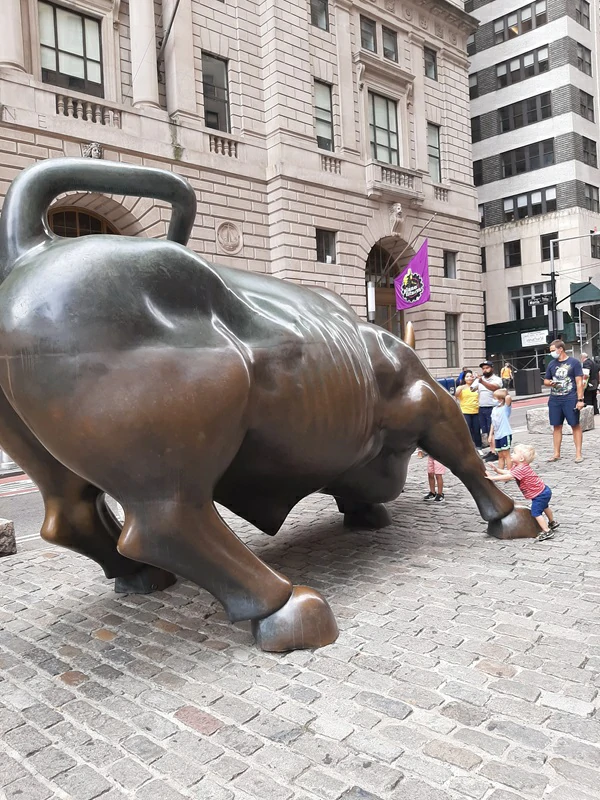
{"points": [[132, 367]]}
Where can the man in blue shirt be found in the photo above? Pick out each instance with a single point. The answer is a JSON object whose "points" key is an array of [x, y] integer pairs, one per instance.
{"points": [[565, 377]]}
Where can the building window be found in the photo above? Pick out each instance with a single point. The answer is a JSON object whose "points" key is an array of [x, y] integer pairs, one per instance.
{"points": [[590, 155], [476, 129], [478, 173], [383, 129], [451, 340], [319, 14], [525, 19], [523, 67], [519, 297], [545, 245], [449, 264], [473, 85], [595, 244], [368, 34], [71, 52], [586, 105], [525, 112], [431, 68], [591, 198], [527, 159], [481, 210], [483, 260], [531, 204], [390, 44], [512, 254], [71, 222], [323, 116], [582, 13], [433, 152], [325, 246], [584, 59], [471, 46], [216, 93]]}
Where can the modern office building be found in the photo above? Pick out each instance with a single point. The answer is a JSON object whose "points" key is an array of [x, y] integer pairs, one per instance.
{"points": [[534, 107], [324, 139]]}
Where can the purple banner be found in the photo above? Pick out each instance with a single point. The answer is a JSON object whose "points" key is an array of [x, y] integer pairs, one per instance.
{"points": [[412, 285]]}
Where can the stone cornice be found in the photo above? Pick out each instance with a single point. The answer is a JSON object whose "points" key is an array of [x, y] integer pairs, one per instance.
{"points": [[430, 15], [379, 67]]}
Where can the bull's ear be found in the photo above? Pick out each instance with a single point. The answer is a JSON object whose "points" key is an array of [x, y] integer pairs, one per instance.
{"points": [[409, 335]]}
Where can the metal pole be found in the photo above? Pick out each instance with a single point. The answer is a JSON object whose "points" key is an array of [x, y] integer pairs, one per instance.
{"points": [[552, 308]]}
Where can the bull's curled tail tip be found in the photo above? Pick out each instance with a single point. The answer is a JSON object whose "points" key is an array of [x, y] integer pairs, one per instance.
{"points": [[409, 335]]}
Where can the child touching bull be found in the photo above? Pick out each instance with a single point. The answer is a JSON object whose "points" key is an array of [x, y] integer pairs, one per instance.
{"points": [[532, 487]]}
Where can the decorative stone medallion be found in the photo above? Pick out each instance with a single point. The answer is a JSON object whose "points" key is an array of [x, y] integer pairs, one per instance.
{"points": [[229, 238], [92, 150]]}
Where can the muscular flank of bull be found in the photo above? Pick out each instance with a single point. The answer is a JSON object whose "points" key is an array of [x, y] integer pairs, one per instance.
{"points": [[134, 368]]}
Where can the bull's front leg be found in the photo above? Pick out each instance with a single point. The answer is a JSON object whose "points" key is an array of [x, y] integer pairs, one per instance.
{"points": [[446, 438]]}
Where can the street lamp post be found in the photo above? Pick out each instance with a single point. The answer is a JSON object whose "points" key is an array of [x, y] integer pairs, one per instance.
{"points": [[552, 310]]}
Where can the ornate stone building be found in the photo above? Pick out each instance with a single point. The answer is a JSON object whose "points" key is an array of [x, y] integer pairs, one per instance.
{"points": [[321, 137]]}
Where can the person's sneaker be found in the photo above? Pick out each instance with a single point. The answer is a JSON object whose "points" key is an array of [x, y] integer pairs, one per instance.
{"points": [[545, 535], [491, 457], [553, 525], [430, 496], [438, 498]]}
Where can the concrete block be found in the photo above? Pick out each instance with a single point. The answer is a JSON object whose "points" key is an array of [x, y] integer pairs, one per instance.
{"points": [[8, 543], [537, 420]]}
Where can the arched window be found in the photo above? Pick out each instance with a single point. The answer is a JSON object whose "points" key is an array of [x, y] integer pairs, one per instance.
{"points": [[72, 222], [378, 262]]}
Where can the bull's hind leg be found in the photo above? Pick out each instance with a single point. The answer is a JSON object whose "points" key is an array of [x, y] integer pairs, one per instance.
{"points": [[76, 515], [193, 541]]}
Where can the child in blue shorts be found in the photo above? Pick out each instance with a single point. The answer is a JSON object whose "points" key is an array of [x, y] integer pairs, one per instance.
{"points": [[500, 432], [532, 487]]}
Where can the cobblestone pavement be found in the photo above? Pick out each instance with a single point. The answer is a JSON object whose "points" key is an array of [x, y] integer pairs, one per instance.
{"points": [[465, 668]]}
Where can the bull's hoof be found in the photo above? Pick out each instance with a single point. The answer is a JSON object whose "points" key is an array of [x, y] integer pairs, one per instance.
{"points": [[519, 524], [305, 621], [369, 516], [148, 579]]}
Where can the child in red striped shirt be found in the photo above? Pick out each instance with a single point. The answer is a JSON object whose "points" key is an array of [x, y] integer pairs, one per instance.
{"points": [[532, 487]]}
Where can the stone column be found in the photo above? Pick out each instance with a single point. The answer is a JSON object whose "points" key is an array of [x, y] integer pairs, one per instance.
{"points": [[347, 87], [12, 55], [143, 54], [179, 58]]}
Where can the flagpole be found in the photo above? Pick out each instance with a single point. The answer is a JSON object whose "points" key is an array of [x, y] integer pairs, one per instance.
{"points": [[409, 245]]}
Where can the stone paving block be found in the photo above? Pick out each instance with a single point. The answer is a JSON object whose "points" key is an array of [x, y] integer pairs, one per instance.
{"points": [[529, 783], [157, 790], [10, 769], [413, 789], [280, 761], [322, 784], [184, 771], [260, 785], [207, 789], [26, 740], [576, 773], [569, 704], [275, 728], [128, 773], [50, 761], [450, 754], [82, 782], [142, 747], [27, 789]]}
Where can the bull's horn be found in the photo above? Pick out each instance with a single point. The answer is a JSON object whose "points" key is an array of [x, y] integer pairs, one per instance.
{"points": [[409, 335]]}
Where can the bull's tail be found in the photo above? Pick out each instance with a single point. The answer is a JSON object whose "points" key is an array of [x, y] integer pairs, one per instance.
{"points": [[23, 223]]}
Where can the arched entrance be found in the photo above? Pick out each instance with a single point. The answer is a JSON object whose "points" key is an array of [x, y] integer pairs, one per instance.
{"points": [[387, 259], [71, 222]]}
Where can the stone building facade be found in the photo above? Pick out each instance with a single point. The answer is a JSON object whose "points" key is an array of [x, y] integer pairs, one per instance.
{"points": [[320, 137]]}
